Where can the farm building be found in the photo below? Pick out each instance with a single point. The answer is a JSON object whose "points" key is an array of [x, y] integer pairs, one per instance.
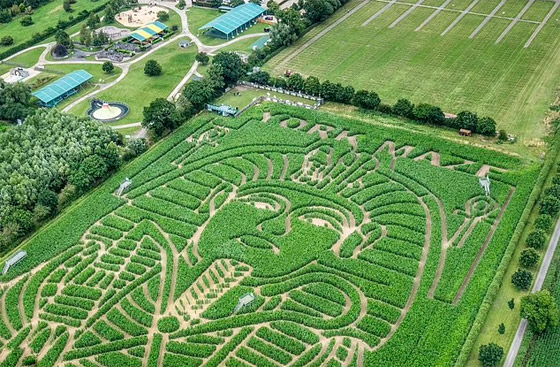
{"points": [[234, 22], [148, 33], [54, 93]]}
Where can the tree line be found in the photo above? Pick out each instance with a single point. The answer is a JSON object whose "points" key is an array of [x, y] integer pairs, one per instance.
{"points": [[50, 160]]}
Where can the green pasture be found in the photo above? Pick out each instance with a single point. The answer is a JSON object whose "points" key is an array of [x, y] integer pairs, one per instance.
{"points": [[511, 83], [138, 90], [46, 16]]}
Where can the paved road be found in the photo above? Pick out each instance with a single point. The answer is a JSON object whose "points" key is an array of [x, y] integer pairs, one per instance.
{"points": [[514, 349]]}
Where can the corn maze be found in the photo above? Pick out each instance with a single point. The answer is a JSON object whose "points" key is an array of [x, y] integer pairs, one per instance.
{"points": [[362, 245]]}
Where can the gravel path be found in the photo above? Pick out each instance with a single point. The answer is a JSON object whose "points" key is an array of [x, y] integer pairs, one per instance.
{"points": [[514, 21], [487, 19]]}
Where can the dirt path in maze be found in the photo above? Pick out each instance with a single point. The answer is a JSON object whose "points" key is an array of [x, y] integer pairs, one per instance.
{"points": [[482, 250], [417, 278]]}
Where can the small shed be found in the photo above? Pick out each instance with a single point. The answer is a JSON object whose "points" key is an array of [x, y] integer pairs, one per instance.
{"points": [[485, 184], [244, 301], [184, 44], [12, 261], [465, 132]]}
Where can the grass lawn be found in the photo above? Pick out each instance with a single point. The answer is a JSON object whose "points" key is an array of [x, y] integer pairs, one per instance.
{"points": [[44, 17], [511, 83], [138, 90], [28, 59], [198, 17]]}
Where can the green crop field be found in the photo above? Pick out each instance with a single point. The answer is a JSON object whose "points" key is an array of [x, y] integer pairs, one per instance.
{"points": [[362, 244], [401, 51]]}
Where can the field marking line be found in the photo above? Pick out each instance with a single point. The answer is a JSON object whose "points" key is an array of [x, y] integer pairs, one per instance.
{"points": [[433, 15], [487, 19], [461, 16], [379, 12], [514, 22], [406, 13], [460, 11], [543, 23], [322, 33], [537, 286]]}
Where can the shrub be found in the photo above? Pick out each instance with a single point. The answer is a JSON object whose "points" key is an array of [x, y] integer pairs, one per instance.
{"points": [[384, 108], [553, 191], [163, 16], [522, 279], [366, 99], [536, 238], [486, 126], [427, 113], [108, 67], [168, 324], [467, 120], [26, 21], [549, 205], [202, 58], [529, 258], [152, 68], [7, 40], [490, 354], [502, 328], [404, 108], [543, 222], [511, 304], [502, 136]]}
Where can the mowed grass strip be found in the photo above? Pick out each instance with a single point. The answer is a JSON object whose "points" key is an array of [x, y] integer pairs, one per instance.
{"points": [[506, 81]]}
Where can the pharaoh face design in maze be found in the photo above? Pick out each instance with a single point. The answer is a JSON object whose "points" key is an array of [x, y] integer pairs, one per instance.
{"points": [[271, 242]]}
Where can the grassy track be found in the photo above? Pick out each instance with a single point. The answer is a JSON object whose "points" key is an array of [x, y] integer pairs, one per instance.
{"points": [[27, 59], [506, 81]]}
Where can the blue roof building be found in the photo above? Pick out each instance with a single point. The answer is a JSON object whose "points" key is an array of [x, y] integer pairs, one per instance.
{"points": [[54, 93], [235, 21]]}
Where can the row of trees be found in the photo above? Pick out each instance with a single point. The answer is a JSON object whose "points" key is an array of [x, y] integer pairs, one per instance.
{"points": [[540, 309], [549, 208], [369, 100]]}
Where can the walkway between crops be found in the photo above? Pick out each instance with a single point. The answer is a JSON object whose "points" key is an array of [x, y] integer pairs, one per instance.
{"points": [[514, 349]]}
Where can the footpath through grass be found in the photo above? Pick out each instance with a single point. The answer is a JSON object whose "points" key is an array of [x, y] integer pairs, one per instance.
{"points": [[511, 83]]}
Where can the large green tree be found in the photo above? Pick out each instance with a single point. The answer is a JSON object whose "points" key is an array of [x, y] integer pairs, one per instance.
{"points": [[16, 101], [160, 116], [540, 310], [232, 66]]}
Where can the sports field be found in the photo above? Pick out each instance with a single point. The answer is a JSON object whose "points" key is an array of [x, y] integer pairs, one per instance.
{"points": [[354, 245], [495, 57]]}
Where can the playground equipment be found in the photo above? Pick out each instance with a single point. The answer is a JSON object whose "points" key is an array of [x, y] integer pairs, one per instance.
{"points": [[107, 111], [244, 301], [223, 110], [485, 183], [12, 261], [125, 185]]}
